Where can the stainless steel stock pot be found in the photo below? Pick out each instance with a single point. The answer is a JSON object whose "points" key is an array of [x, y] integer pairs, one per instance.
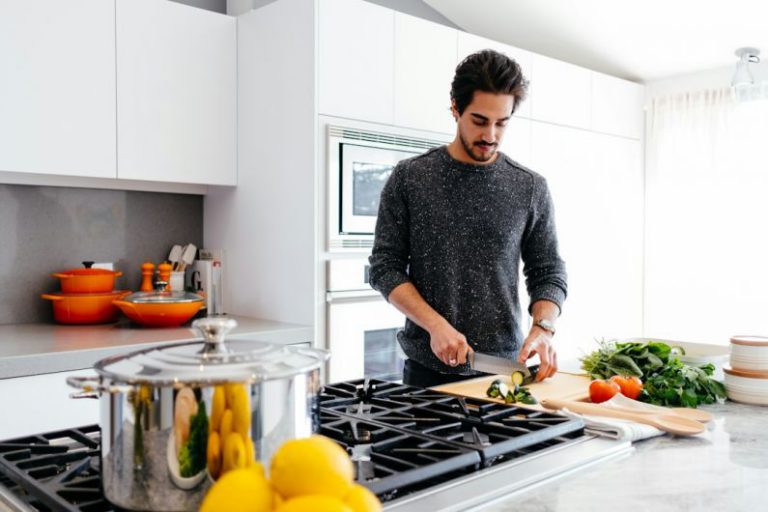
{"points": [[175, 418]]}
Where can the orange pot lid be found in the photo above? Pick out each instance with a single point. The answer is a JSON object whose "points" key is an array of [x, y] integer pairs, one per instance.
{"points": [[752, 341], [113, 294], [89, 272]]}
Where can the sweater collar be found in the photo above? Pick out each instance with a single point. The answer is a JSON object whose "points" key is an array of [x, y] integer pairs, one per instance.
{"points": [[462, 166]]}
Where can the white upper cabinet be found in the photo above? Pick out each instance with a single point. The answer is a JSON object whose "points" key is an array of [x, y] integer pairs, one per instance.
{"points": [[561, 93], [57, 87], [176, 93], [617, 106], [517, 140], [425, 61], [356, 60], [470, 43]]}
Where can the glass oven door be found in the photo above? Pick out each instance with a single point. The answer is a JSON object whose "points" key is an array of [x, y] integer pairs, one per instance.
{"points": [[362, 338]]}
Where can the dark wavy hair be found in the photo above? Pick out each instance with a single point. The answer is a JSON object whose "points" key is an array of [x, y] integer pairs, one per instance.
{"points": [[487, 71]]}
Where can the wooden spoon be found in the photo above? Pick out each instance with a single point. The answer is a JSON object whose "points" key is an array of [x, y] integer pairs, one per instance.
{"points": [[671, 423]]}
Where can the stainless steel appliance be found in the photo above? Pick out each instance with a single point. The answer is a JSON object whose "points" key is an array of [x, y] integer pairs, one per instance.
{"points": [[415, 448], [359, 163], [362, 326], [271, 392]]}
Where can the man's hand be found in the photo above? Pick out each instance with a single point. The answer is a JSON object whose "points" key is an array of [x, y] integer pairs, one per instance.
{"points": [[539, 342], [448, 344]]}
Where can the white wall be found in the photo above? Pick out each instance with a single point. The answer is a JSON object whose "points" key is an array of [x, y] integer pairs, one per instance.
{"points": [[705, 79]]}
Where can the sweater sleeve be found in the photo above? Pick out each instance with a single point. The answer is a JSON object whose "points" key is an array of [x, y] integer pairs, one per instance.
{"points": [[545, 275], [391, 245]]}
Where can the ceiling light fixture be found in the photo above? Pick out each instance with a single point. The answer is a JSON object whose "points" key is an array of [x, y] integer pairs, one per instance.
{"points": [[743, 76]]}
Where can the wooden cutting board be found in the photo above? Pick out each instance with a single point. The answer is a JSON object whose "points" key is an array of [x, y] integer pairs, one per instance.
{"points": [[564, 386]]}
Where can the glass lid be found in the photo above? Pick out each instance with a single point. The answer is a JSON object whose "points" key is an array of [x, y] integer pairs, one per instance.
{"points": [[212, 361], [163, 297]]}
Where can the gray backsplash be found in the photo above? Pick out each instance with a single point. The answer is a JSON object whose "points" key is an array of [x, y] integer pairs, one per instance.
{"points": [[51, 229]]}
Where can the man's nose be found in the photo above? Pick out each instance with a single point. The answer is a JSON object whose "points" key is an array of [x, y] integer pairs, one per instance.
{"points": [[490, 134]]}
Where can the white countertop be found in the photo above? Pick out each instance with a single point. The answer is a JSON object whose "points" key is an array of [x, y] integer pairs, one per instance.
{"points": [[32, 349]]}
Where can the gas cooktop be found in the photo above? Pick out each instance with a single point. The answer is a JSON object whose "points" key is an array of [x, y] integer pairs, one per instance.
{"points": [[408, 444]]}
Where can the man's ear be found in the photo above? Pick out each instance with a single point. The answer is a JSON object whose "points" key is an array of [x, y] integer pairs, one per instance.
{"points": [[454, 112]]}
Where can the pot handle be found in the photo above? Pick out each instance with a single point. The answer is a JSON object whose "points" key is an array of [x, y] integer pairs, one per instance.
{"points": [[51, 297], [62, 276], [118, 273], [91, 387], [214, 329], [124, 304]]}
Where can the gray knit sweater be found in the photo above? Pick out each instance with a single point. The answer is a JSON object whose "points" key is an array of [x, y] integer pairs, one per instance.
{"points": [[458, 232]]}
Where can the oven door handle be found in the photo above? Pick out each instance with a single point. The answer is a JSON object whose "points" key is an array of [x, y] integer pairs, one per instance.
{"points": [[350, 295]]}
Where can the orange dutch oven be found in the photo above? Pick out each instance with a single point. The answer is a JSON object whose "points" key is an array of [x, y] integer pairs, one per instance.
{"points": [[160, 308], [85, 308], [87, 280]]}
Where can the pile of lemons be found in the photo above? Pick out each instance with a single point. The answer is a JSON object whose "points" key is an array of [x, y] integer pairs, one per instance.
{"points": [[229, 441], [311, 474]]}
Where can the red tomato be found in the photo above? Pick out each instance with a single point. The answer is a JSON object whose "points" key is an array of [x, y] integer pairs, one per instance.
{"points": [[630, 385], [602, 390]]}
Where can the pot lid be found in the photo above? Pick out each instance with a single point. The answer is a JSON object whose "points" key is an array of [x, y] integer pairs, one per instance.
{"points": [[212, 361], [114, 294], [163, 297]]}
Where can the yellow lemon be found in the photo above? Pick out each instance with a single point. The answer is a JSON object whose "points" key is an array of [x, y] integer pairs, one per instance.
{"points": [[360, 499], [213, 454], [234, 452], [242, 490], [226, 424], [277, 500], [314, 465], [314, 503], [217, 408], [250, 453], [241, 411]]}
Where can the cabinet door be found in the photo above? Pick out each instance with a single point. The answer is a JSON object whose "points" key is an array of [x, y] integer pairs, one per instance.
{"points": [[57, 87], [425, 61], [517, 140], [356, 60], [470, 43], [617, 106], [176, 93], [41, 403], [560, 93], [596, 186]]}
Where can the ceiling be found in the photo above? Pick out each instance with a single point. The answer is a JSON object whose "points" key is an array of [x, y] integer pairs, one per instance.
{"points": [[637, 40]]}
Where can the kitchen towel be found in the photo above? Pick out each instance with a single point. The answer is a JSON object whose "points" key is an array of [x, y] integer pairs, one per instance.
{"points": [[615, 428]]}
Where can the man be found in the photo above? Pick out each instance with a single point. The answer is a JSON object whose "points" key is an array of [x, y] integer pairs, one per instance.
{"points": [[453, 226]]}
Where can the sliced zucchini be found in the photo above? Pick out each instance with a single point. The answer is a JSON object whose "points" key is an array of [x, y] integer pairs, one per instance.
{"points": [[518, 378]]}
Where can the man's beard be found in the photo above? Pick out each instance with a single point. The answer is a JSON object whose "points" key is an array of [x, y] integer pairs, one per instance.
{"points": [[470, 150]]}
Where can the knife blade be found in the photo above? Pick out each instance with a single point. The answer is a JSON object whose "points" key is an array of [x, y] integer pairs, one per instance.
{"points": [[496, 365]]}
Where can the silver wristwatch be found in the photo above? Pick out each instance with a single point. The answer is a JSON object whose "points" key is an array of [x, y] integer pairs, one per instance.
{"points": [[546, 325]]}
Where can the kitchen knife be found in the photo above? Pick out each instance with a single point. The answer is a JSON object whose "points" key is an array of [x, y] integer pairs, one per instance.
{"points": [[496, 365]]}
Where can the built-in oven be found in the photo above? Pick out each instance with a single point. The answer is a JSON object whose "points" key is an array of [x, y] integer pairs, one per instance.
{"points": [[359, 164], [361, 326]]}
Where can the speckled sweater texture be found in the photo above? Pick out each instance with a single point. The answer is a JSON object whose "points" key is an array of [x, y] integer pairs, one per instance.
{"points": [[458, 232]]}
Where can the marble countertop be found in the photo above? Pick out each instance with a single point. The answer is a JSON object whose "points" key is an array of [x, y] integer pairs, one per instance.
{"points": [[724, 469], [33, 349]]}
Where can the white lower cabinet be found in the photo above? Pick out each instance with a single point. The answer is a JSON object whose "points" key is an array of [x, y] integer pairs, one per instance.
{"points": [[41, 403]]}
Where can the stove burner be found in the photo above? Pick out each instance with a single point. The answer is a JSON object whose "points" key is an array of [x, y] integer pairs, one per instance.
{"points": [[476, 438]]}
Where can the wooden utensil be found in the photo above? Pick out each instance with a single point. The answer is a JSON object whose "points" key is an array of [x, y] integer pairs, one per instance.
{"points": [[187, 256], [671, 423], [175, 256], [684, 412]]}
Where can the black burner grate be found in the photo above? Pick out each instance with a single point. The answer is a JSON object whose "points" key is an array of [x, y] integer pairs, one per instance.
{"points": [[56, 471]]}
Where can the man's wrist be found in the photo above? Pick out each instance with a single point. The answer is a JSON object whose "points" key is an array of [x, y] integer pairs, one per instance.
{"points": [[545, 325]]}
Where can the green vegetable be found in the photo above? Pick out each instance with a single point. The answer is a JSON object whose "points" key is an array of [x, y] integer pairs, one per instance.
{"points": [[521, 395], [194, 459], [517, 378], [666, 380]]}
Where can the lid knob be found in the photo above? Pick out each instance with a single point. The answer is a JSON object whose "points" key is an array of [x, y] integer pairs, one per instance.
{"points": [[214, 329]]}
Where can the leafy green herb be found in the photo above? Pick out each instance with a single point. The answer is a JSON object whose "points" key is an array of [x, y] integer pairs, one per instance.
{"points": [[192, 455], [666, 380]]}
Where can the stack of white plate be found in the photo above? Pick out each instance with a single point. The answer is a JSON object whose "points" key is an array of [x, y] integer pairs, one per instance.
{"points": [[747, 378]]}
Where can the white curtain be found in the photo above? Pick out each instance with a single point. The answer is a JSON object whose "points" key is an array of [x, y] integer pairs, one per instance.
{"points": [[706, 232]]}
